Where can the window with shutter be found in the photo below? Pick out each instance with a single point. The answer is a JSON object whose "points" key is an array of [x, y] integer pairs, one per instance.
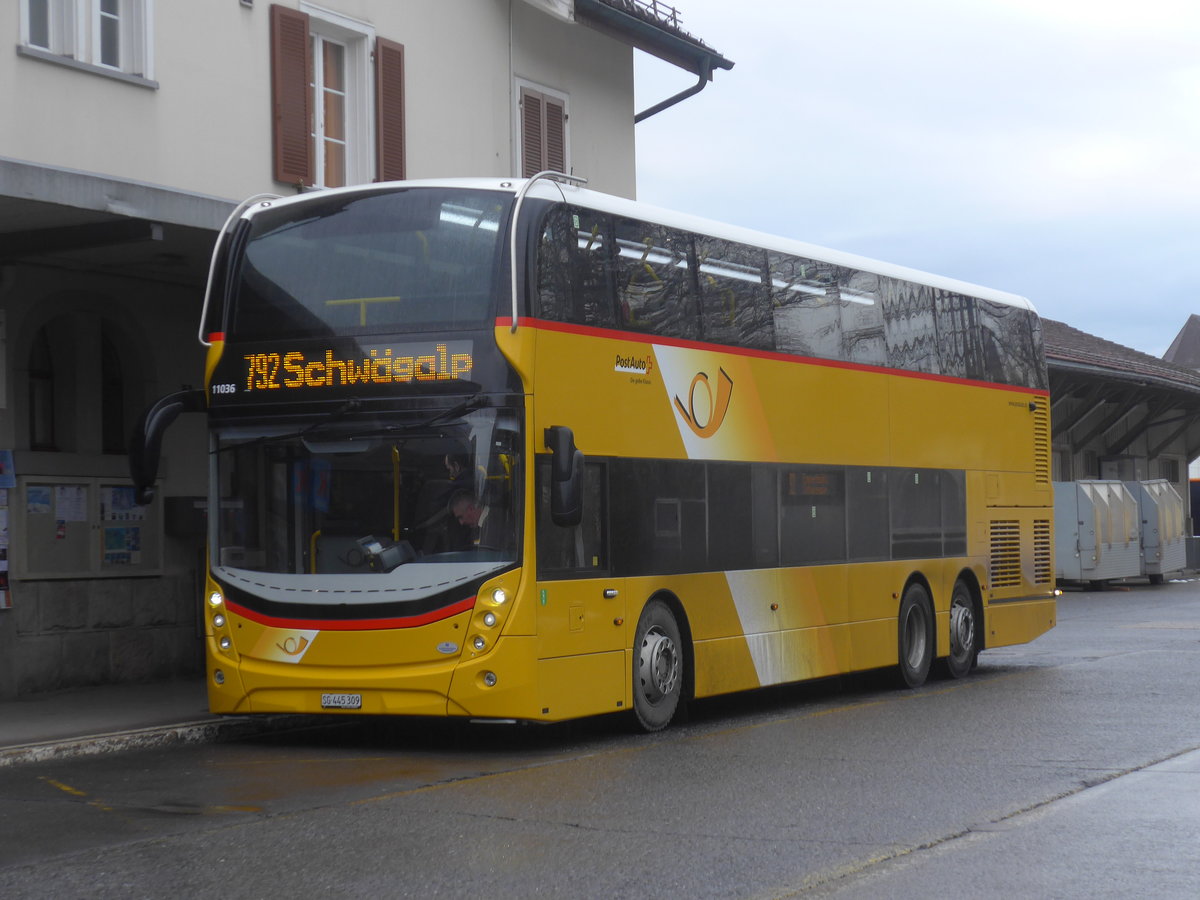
{"points": [[543, 132], [338, 93]]}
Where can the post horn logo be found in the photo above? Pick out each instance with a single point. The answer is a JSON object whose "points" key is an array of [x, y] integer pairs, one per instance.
{"points": [[293, 646], [717, 406]]}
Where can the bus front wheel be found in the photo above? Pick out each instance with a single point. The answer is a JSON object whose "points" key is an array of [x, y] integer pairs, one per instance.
{"points": [[915, 635], [657, 667]]}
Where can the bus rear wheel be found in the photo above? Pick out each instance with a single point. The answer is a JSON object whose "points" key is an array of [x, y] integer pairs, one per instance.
{"points": [[915, 635], [657, 667], [964, 632]]}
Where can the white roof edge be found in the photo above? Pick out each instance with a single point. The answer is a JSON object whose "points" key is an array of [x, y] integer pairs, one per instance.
{"points": [[546, 189]]}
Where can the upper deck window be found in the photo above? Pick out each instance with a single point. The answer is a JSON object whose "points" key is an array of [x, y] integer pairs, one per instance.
{"points": [[608, 271], [371, 263]]}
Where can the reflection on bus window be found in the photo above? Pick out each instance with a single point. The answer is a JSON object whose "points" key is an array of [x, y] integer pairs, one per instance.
{"points": [[735, 306], [594, 269], [654, 291]]}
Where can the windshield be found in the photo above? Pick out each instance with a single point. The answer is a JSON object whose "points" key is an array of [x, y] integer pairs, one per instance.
{"points": [[367, 508], [370, 263]]}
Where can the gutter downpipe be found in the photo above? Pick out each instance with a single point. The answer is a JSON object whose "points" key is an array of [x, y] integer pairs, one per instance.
{"points": [[706, 70]]}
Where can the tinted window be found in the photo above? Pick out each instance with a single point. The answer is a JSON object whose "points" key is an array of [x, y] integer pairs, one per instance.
{"points": [[418, 259], [731, 537], [639, 276], [1011, 344], [812, 516], [916, 508], [908, 326], [826, 311], [662, 514], [869, 528], [734, 302], [655, 290], [575, 277], [581, 549]]}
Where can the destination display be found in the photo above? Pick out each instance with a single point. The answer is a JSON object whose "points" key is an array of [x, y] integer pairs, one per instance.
{"points": [[249, 373]]}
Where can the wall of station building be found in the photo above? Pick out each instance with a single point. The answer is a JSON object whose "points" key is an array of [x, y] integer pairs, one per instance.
{"points": [[97, 592]]}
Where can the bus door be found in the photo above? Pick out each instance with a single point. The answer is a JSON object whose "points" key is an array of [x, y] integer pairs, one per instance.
{"points": [[581, 607]]}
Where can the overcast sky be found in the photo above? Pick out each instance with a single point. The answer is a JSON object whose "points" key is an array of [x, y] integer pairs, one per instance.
{"points": [[1050, 148]]}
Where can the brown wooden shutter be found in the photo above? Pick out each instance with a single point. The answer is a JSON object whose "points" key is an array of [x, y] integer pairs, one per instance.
{"points": [[543, 133], [556, 134], [291, 95], [532, 153], [389, 110]]}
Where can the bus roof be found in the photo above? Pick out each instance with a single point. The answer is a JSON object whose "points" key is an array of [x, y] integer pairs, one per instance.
{"points": [[546, 189]]}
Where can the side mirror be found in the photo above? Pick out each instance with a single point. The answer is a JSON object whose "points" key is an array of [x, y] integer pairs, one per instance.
{"points": [[145, 444], [566, 477]]}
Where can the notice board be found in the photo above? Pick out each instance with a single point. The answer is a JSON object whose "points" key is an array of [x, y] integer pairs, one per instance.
{"points": [[84, 528]]}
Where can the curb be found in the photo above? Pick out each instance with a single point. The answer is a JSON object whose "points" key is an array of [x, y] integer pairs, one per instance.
{"points": [[195, 732]]}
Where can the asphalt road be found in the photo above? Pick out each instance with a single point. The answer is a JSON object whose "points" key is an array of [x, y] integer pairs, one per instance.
{"points": [[1064, 768]]}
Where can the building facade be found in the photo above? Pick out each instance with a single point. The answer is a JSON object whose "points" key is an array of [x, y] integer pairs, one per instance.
{"points": [[132, 129]]}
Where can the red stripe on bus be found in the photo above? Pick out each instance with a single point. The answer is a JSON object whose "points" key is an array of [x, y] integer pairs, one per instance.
{"points": [[641, 338], [354, 624], [216, 336]]}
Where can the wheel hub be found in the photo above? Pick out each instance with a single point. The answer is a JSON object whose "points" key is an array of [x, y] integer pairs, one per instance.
{"points": [[658, 665], [962, 629]]}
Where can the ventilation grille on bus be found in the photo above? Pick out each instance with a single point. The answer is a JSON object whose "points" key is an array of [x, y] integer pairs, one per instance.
{"points": [[1042, 563], [1041, 441], [1006, 553]]}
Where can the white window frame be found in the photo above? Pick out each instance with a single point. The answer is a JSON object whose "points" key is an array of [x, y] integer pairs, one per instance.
{"points": [[357, 39], [74, 32], [60, 18], [519, 131]]}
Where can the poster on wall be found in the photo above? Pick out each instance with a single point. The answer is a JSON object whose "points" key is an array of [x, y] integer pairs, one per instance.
{"points": [[38, 500], [123, 546], [118, 504], [70, 502]]}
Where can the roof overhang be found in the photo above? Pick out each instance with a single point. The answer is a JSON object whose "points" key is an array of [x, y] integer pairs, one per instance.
{"points": [[650, 35]]}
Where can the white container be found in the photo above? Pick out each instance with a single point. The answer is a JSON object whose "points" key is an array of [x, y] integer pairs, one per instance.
{"points": [[1097, 527]]}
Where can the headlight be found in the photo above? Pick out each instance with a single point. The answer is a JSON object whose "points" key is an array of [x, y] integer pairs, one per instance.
{"points": [[218, 621], [225, 643], [215, 599], [499, 597], [479, 643], [489, 619]]}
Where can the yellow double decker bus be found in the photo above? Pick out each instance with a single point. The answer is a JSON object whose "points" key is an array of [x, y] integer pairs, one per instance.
{"points": [[518, 450]]}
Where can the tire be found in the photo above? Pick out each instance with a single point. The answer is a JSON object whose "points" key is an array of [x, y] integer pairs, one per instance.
{"points": [[1157, 579], [964, 632], [915, 635], [657, 667]]}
